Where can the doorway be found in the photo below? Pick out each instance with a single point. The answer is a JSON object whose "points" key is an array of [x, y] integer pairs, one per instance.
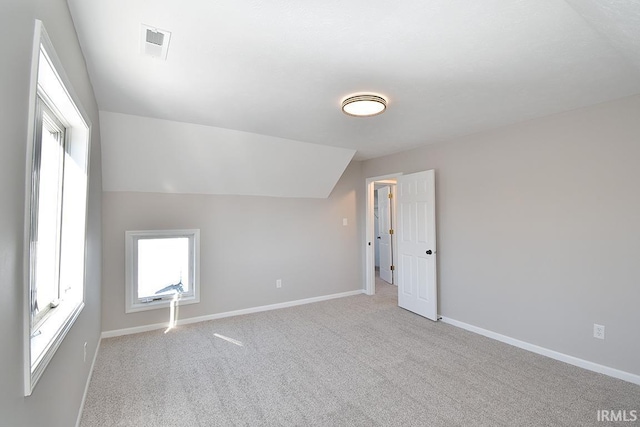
{"points": [[384, 224], [372, 233], [413, 234]]}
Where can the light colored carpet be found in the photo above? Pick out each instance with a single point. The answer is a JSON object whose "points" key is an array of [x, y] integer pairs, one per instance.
{"points": [[357, 361]]}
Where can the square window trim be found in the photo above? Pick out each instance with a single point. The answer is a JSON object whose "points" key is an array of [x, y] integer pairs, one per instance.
{"points": [[132, 303]]}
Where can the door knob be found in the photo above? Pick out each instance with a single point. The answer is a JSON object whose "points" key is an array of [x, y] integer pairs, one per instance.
{"points": [[378, 237], [429, 252]]}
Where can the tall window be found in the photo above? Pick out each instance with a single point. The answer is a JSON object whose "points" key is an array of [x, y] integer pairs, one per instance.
{"points": [[58, 159], [47, 211], [160, 266]]}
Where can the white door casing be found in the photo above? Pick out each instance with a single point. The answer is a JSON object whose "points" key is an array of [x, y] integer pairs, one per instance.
{"points": [[384, 236], [416, 240]]}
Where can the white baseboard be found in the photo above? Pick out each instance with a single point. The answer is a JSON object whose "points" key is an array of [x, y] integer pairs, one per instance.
{"points": [[591, 366], [86, 387], [146, 328]]}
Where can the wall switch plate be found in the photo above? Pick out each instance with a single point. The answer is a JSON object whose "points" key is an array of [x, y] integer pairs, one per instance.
{"points": [[345, 222], [279, 283], [598, 331]]}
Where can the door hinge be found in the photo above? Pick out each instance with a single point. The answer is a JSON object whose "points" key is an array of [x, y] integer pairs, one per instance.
{"points": [[390, 231], [393, 267], [390, 195]]}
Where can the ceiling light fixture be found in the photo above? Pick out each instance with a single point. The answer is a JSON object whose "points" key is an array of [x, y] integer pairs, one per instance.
{"points": [[364, 105]]}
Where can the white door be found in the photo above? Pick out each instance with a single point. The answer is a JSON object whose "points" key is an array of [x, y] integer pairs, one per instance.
{"points": [[416, 240], [384, 235]]}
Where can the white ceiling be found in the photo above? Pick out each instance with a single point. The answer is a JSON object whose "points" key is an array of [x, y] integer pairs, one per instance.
{"points": [[281, 68]]}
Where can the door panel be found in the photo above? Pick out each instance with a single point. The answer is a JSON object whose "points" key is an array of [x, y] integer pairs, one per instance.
{"points": [[422, 275], [405, 276], [417, 245], [406, 231], [422, 226]]}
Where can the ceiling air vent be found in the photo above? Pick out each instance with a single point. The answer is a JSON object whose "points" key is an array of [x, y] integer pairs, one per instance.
{"points": [[154, 37], [154, 42]]}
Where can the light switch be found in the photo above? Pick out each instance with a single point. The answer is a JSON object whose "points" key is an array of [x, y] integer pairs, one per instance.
{"points": [[345, 222]]}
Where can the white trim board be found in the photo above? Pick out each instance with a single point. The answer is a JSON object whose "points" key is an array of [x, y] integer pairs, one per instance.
{"points": [[86, 387], [581, 363], [153, 327]]}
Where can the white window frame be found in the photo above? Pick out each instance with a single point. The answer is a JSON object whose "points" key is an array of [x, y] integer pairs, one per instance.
{"points": [[51, 91], [47, 117], [132, 302]]}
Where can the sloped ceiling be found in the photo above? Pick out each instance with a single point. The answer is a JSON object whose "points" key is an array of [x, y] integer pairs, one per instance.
{"points": [[281, 69], [152, 155]]}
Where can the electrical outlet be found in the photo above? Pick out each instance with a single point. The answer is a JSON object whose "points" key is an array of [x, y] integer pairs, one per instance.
{"points": [[279, 283], [598, 331], [84, 358]]}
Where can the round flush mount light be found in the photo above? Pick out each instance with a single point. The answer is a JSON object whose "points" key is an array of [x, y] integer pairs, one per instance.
{"points": [[364, 105]]}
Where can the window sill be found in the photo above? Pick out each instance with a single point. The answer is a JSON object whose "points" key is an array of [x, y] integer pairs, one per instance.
{"points": [[160, 304], [49, 336]]}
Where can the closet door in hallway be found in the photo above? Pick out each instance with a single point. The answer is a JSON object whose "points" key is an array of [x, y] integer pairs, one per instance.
{"points": [[384, 233]]}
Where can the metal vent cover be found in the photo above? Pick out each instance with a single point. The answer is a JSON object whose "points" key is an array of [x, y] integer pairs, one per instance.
{"points": [[155, 37], [154, 42]]}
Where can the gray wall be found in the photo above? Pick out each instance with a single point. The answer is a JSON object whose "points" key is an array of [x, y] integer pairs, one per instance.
{"points": [[246, 243], [47, 405], [539, 229]]}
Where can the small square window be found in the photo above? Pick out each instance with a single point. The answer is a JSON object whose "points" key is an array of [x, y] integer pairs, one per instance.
{"points": [[160, 266]]}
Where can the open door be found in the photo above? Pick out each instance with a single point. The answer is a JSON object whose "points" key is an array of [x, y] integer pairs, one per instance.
{"points": [[384, 233], [417, 287]]}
